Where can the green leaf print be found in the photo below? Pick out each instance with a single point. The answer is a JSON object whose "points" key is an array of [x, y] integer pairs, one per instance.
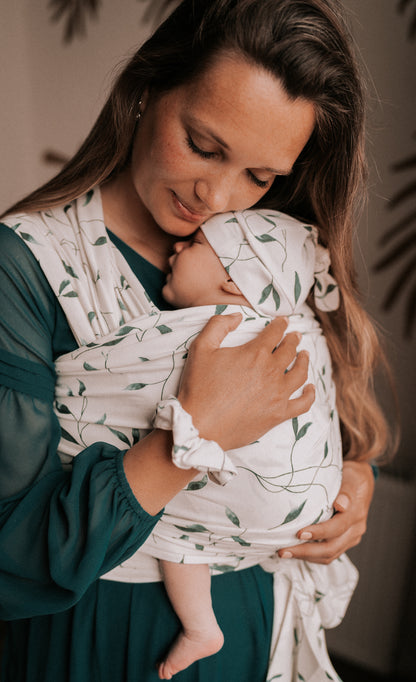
{"points": [[63, 284], [194, 528], [67, 436], [233, 517], [197, 485], [330, 288], [295, 634], [318, 518], [89, 368], [231, 220], [163, 329], [69, 270], [268, 220], [29, 238], [12, 227], [265, 293], [61, 408], [118, 434], [82, 388], [100, 241], [89, 195], [67, 207], [265, 238], [318, 284], [222, 568], [303, 430], [276, 299], [124, 330], [294, 513], [102, 420], [300, 677], [220, 309], [298, 288], [71, 294], [328, 676], [240, 541], [326, 450], [91, 315], [199, 547], [135, 435], [134, 387], [114, 342], [144, 359], [295, 426]]}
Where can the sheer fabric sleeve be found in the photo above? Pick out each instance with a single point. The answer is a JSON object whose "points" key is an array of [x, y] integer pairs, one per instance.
{"points": [[59, 530]]}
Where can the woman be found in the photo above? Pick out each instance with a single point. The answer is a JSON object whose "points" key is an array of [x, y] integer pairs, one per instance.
{"points": [[230, 104]]}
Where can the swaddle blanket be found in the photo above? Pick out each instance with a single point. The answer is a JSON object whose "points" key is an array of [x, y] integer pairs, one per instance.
{"points": [[130, 356]]}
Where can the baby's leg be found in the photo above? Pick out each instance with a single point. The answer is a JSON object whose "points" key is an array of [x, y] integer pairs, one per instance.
{"points": [[189, 590]]}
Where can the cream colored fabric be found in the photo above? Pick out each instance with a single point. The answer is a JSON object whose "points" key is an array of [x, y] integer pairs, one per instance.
{"points": [[131, 356]]}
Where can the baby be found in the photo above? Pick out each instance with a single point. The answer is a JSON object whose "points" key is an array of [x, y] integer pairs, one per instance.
{"points": [[231, 260], [262, 264]]}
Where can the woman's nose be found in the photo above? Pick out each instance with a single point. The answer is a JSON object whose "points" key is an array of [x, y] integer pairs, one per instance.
{"points": [[215, 192]]}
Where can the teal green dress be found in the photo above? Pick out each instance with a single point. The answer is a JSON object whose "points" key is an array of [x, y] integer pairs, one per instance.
{"points": [[61, 530]]}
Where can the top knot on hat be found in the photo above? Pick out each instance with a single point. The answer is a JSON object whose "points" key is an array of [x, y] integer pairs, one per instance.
{"points": [[274, 259]]}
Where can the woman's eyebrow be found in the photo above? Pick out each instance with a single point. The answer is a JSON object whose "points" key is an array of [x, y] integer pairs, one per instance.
{"points": [[206, 130]]}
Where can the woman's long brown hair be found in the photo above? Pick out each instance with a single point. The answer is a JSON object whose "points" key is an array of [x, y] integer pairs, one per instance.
{"points": [[307, 46]]}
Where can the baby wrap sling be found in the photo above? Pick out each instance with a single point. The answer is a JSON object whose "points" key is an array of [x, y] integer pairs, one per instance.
{"points": [[130, 356]]}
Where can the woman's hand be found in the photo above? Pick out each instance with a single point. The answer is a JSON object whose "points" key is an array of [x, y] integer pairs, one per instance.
{"points": [[237, 394], [328, 540]]}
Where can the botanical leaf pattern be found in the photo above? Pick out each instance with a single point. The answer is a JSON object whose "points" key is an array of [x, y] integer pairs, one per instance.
{"points": [[286, 479]]}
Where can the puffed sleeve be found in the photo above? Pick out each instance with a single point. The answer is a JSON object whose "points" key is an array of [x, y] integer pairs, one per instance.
{"points": [[59, 530]]}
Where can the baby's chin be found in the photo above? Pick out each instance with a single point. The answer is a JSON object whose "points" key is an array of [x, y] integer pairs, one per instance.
{"points": [[167, 294]]}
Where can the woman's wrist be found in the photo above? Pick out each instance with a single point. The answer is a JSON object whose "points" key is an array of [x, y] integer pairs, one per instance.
{"points": [[151, 474]]}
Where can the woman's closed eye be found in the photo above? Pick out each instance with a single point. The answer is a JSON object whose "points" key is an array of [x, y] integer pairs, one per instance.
{"points": [[210, 155]]}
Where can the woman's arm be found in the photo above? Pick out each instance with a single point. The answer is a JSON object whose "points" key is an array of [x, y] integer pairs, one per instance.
{"points": [[326, 541], [61, 529]]}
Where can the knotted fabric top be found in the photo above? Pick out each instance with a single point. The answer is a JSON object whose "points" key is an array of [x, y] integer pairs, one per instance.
{"points": [[274, 259]]}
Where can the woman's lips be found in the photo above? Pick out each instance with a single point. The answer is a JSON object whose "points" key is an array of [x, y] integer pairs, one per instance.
{"points": [[186, 212]]}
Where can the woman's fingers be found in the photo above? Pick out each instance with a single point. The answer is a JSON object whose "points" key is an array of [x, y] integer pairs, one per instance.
{"points": [[216, 330], [326, 541], [237, 393], [300, 405]]}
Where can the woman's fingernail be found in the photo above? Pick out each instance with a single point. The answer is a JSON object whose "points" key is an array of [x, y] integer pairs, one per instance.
{"points": [[342, 501], [286, 554], [306, 535]]}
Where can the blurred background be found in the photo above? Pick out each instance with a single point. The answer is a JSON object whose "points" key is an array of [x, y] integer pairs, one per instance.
{"points": [[59, 58]]}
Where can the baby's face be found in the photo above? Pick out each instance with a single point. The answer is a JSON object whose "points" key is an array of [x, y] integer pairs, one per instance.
{"points": [[196, 274]]}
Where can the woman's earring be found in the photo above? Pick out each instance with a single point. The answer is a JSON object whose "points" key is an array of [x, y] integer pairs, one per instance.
{"points": [[139, 113]]}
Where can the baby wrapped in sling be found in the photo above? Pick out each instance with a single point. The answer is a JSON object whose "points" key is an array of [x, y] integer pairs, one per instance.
{"points": [[107, 390]]}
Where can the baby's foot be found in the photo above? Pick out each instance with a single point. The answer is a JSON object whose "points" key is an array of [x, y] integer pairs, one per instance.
{"points": [[189, 647]]}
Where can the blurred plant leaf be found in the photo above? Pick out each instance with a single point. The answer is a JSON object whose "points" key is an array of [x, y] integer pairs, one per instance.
{"points": [[75, 14], [402, 6]]}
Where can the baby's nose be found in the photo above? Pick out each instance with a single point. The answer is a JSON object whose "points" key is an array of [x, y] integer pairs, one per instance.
{"points": [[178, 246]]}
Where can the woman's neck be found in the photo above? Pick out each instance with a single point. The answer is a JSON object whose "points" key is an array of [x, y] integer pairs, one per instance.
{"points": [[127, 217]]}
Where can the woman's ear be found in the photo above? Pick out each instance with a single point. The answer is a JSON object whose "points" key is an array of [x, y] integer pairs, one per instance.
{"points": [[230, 287]]}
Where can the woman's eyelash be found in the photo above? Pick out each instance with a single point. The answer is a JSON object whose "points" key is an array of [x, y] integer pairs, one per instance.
{"points": [[197, 150], [209, 155], [257, 181]]}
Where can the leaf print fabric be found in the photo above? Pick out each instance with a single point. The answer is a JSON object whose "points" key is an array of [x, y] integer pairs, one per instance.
{"points": [[274, 259], [130, 356]]}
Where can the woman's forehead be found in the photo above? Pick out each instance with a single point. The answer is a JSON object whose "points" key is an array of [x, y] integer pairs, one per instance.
{"points": [[246, 110]]}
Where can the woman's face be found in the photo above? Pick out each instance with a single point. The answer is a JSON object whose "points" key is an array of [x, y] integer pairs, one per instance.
{"points": [[216, 144]]}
